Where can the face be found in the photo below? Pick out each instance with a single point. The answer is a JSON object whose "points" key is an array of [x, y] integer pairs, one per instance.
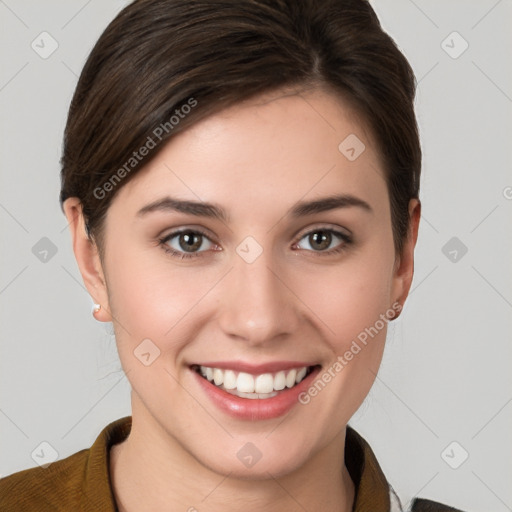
{"points": [[267, 279]]}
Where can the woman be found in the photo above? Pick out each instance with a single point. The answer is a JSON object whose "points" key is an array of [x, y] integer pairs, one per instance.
{"points": [[241, 181]]}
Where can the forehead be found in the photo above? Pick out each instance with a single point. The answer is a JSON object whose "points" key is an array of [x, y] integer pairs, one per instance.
{"points": [[272, 150]]}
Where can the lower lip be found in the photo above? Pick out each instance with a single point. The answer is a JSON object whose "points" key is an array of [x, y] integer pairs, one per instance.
{"points": [[257, 408]]}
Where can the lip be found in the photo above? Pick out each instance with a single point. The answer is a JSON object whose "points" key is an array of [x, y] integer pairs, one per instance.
{"points": [[256, 369], [259, 408]]}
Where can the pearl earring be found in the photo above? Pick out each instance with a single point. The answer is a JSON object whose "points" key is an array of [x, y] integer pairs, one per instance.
{"points": [[96, 308]]}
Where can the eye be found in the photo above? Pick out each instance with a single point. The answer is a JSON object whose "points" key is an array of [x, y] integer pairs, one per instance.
{"points": [[190, 243], [325, 241], [186, 243]]}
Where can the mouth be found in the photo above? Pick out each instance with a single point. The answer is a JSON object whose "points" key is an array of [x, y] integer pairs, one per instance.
{"points": [[254, 386]]}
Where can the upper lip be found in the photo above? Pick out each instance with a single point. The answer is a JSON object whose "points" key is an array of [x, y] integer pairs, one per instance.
{"points": [[256, 369]]}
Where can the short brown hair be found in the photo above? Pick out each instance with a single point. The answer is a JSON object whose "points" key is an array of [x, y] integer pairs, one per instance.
{"points": [[158, 55]]}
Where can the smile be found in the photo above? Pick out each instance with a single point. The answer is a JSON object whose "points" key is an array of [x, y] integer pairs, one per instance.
{"points": [[246, 385]]}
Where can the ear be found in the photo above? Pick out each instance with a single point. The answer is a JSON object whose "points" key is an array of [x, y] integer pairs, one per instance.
{"points": [[87, 257], [404, 265]]}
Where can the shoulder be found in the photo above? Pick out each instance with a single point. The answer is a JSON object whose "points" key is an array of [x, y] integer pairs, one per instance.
{"points": [[421, 505], [56, 487], [418, 504], [373, 491], [78, 482]]}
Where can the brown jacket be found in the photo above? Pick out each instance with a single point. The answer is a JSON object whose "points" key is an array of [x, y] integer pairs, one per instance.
{"points": [[81, 482]]}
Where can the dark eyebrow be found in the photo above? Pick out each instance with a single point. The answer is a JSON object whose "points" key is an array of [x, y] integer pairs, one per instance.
{"points": [[197, 208], [213, 211], [328, 203]]}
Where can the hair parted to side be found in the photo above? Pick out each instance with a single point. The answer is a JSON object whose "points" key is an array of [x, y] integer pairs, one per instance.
{"points": [[162, 65]]}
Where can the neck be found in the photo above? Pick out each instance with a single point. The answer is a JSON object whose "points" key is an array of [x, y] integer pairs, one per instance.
{"points": [[152, 471]]}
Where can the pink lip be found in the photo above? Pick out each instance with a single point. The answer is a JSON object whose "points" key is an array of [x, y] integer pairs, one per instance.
{"points": [[256, 369], [256, 409]]}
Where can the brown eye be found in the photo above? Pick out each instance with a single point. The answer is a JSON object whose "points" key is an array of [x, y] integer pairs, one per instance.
{"points": [[190, 241], [320, 240], [324, 241], [186, 242]]}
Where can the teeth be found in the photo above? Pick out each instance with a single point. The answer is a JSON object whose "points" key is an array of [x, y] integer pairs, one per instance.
{"points": [[218, 376], [230, 379], [301, 374], [264, 383], [290, 378], [280, 381], [257, 386], [245, 383], [251, 395]]}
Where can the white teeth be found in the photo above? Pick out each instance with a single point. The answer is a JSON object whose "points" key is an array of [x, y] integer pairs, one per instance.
{"points": [[229, 379], [300, 375], [280, 381], [290, 378], [251, 395], [264, 383], [245, 383], [218, 376], [253, 386]]}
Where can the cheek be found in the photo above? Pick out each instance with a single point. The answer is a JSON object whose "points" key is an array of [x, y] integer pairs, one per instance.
{"points": [[353, 308], [349, 298], [154, 299]]}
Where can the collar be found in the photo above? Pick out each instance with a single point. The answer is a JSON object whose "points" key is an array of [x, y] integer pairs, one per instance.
{"points": [[372, 488]]}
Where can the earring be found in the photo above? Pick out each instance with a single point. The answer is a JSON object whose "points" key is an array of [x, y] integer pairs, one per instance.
{"points": [[95, 309]]}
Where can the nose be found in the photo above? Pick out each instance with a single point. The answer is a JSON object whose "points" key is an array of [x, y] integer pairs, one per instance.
{"points": [[257, 304]]}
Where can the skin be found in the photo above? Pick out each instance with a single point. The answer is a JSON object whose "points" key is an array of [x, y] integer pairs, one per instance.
{"points": [[256, 160]]}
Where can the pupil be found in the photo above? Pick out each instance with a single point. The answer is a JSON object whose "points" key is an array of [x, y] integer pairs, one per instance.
{"points": [[322, 238], [190, 241]]}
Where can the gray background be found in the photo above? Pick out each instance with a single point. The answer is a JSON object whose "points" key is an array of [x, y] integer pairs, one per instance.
{"points": [[446, 371]]}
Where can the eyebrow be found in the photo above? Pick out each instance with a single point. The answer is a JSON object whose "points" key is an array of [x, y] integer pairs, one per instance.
{"points": [[210, 210]]}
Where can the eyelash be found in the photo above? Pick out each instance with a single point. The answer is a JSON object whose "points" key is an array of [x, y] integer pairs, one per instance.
{"points": [[346, 241]]}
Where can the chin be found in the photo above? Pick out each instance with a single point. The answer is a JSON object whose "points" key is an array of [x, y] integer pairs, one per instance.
{"points": [[251, 462]]}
